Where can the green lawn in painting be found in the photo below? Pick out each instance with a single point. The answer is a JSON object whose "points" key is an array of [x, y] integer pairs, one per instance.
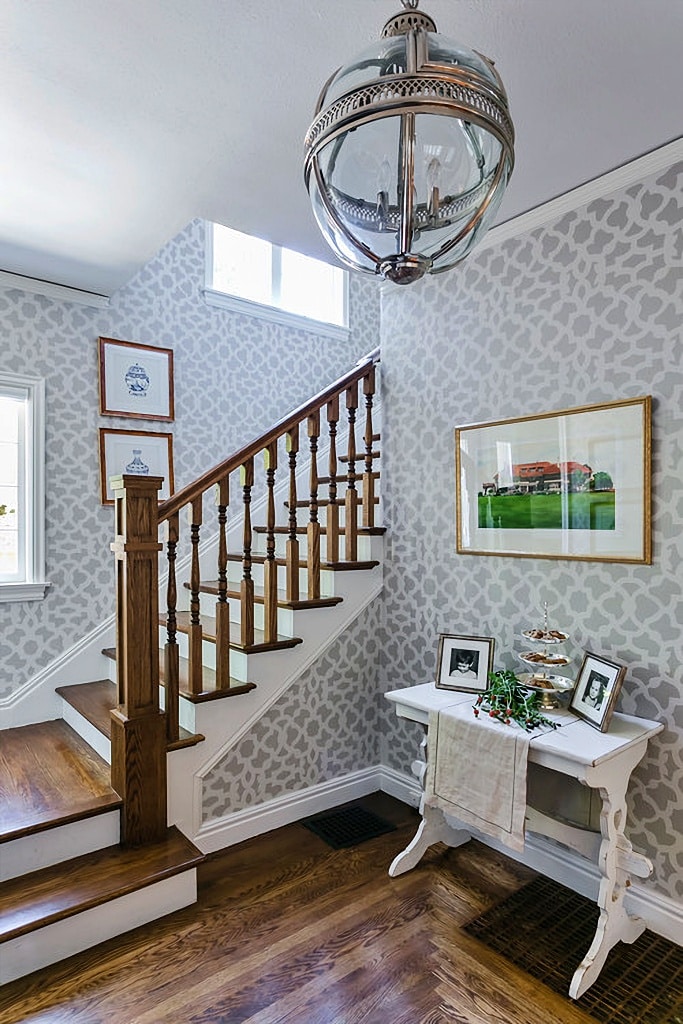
{"points": [[590, 510]]}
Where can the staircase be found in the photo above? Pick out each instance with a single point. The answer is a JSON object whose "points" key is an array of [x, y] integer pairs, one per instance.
{"points": [[101, 824]]}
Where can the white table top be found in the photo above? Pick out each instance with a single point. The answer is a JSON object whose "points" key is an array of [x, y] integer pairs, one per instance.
{"points": [[575, 741]]}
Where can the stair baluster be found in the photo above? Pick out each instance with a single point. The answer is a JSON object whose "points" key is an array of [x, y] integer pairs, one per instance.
{"points": [[195, 633], [171, 651], [313, 530], [351, 500], [247, 585], [332, 524], [270, 566], [222, 605], [368, 478], [292, 552]]}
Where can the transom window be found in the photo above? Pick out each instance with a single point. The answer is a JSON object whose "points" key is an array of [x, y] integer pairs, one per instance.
{"points": [[277, 282], [21, 488]]}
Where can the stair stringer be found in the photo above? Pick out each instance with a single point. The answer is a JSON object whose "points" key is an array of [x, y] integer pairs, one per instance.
{"points": [[224, 723]]}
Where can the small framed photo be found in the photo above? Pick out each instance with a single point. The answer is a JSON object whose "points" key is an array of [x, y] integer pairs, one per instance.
{"points": [[135, 380], [141, 452], [464, 662], [596, 691]]}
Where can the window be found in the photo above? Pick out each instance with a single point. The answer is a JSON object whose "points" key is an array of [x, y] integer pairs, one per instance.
{"points": [[253, 276], [22, 517]]}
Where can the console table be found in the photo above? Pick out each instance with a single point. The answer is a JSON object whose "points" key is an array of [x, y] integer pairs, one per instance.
{"points": [[603, 761]]}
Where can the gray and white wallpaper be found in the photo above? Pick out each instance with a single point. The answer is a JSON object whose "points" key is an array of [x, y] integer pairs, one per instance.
{"points": [[584, 310], [324, 727], [234, 376]]}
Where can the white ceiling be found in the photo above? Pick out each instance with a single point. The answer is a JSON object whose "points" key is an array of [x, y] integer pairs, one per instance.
{"points": [[121, 120]]}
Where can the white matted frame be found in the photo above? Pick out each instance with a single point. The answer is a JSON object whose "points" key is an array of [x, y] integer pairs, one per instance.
{"points": [[572, 484], [596, 691], [135, 380], [464, 662], [137, 452]]}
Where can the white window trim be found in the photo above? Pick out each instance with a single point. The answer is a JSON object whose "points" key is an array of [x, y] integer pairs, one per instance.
{"points": [[247, 307], [35, 585]]}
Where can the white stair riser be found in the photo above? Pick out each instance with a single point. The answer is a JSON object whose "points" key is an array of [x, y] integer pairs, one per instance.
{"points": [[54, 942], [42, 849], [235, 576], [281, 546], [285, 616], [238, 660]]}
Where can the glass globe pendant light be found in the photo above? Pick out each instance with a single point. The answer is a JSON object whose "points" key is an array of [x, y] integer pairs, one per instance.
{"points": [[410, 152]]}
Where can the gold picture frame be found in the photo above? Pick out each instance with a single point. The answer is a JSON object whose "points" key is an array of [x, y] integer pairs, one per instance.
{"points": [[572, 484]]}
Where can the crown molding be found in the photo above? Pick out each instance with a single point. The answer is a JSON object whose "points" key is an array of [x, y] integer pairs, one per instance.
{"points": [[621, 177], [52, 290]]}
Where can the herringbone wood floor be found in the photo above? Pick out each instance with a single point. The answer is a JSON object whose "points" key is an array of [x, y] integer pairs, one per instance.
{"points": [[288, 930]]}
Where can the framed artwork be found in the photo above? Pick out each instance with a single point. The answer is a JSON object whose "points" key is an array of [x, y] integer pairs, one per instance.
{"points": [[143, 452], [596, 691], [135, 380], [573, 484], [464, 662]]}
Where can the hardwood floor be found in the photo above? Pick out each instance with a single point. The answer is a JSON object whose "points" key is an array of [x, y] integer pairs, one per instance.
{"points": [[289, 930]]}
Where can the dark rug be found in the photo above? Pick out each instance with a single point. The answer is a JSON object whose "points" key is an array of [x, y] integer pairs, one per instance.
{"points": [[547, 929], [347, 826]]}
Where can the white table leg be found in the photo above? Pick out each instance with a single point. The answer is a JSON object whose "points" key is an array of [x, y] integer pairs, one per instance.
{"points": [[616, 861], [433, 828]]}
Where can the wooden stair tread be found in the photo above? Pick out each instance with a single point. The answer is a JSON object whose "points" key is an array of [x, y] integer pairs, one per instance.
{"points": [[363, 531], [209, 633], [208, 693], [50, 776], [303, 564], [91, 880], [95, 700], [323, 502], [211, 587]]}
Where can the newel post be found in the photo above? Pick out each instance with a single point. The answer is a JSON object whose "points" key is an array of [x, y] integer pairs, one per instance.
{"points": [[138, 735]]}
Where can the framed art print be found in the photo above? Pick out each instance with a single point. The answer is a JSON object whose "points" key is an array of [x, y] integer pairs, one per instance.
{"points": [[573, 484], [135, 380], [139, 452], [596, 691], [464, 662]]}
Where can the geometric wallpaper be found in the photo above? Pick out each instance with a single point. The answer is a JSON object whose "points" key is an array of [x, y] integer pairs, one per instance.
{"points": [[584, 310], [277, 367]]}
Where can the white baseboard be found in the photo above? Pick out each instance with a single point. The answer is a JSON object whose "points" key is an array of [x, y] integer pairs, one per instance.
{"points": [[661, 914], [291, 807], [36, 700]]}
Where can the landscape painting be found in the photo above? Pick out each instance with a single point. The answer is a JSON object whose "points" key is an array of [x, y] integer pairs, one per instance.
{"points": [[569, 484]]}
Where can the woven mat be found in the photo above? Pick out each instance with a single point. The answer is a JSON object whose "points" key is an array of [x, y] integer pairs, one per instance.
{"points": [[547, 929]]}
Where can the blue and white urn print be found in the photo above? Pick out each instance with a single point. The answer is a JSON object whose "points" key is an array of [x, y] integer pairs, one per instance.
{"points": [[137, 465], [137, 380]]}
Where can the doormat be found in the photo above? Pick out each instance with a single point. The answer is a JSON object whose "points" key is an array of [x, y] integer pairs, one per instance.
{"points": [[546, 929], [348, 826]]}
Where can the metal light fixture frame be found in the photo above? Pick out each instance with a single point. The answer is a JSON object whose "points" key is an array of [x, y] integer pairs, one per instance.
{"points": [[425, 87]]}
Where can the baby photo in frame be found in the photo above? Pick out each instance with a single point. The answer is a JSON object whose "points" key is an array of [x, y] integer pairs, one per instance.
{"points": [[596, 691], [464, 662]]}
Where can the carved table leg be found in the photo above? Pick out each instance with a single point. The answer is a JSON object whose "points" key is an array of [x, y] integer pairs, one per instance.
{"points": [[617, 862], [434, 827]]}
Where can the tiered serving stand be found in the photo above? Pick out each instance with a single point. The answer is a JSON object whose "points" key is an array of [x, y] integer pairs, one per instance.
{"points": [[542, 659]]}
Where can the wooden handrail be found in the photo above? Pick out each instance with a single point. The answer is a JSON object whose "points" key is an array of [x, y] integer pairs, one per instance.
{"points": [[253, 448]]}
